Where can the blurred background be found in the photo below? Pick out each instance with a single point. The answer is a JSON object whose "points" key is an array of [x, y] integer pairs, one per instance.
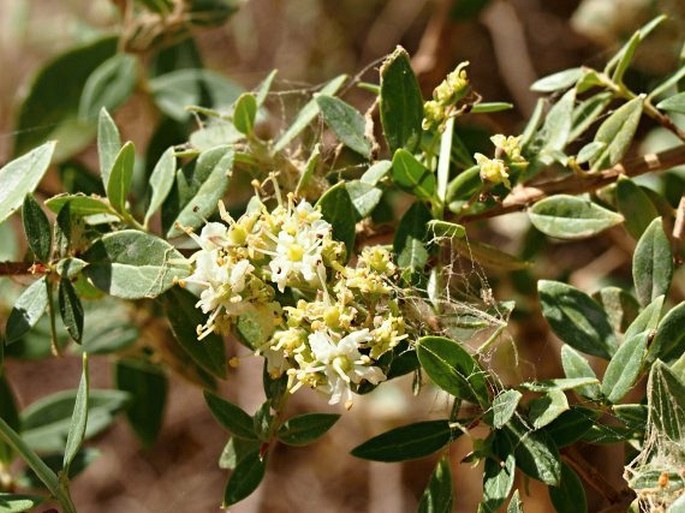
{"points": [[509, 45]]}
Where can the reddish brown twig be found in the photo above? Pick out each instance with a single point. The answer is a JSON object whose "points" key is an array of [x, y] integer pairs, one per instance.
{"points": [[522, 197]]}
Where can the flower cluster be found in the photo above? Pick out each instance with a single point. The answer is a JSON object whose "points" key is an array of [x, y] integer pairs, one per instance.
{"points": [[445, 96], [507, 158], [345, 317]]}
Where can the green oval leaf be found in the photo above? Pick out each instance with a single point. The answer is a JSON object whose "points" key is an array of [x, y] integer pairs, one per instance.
{"points": [[569, 217], [148, 386], [666, 402], [346, 122], [412, 176], [624, 367], [79, 418], [498, 480], [119, 183], [576, 319], [231, 417], [21, 176], [27, 310], [246, 477], [15, 503], [337, 208], [364, 196], [569, 496], [409, 243], [80, 205], [535, 452], [438, 495], [453, 369], [547, 408], [635, 206], [197, 193], [109, 144], [503, 407], [37, 229], [108, 86], [132, 265], [245, 113], [210, 352], [652, 263], [71, 309], [617, 132], [304, 429], [675, 103], [571, 425], [407, 442], [401, 103], [161, 181], [557, 81], [669, 340]]}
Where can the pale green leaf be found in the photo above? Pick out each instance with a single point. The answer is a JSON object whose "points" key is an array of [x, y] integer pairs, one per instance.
{"points": [[570, 217], [652, 263], [346, 122]]}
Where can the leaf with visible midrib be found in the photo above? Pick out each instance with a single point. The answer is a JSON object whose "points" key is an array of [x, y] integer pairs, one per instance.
{"points": [[617, 132], [407, 442], [401, 103], [346, 122]]}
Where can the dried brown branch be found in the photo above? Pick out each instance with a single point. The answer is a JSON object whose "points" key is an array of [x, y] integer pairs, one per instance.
{"points": [[522, 197], [21, 269]]}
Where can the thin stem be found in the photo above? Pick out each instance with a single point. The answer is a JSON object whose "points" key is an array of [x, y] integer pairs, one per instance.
{"points": [[21, 269], [54, 345], [522, 197], [44, 473]]}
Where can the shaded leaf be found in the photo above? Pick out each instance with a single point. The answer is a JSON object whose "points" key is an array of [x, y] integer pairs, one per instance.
{"points": [[231, 417], [305, 429], [635, 206], [210, 352], [27, 310], [571, 425], [37, 228], [503, 407], [401, 103], [408, 246], [364, 196], [199, 191], [148, 386], [245, 478], [438, 495], [666, 402], [621, 306], [547, 408], [569, 496], [652, 263], [498, 480], [407, 442], [412, 176], [535, 452], [70, 309], [337, 208], [346, 122], [453, 369], [576, 319], [669, 339]]}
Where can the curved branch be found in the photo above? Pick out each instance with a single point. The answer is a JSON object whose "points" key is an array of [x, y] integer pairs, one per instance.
{"points": [[522, 197]]}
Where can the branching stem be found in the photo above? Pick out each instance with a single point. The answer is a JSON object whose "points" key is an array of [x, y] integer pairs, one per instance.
{"points": [[522, 197]]}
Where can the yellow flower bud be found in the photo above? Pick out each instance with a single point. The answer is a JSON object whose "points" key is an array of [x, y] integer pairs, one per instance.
{"points": [[493, 170]]}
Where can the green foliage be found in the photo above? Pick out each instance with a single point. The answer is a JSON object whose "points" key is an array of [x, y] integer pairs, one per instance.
{"points": [[170, 258]]}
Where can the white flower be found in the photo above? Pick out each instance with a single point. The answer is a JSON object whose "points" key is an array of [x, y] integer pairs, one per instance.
{"points": [[296, 255], [342, 363]]}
